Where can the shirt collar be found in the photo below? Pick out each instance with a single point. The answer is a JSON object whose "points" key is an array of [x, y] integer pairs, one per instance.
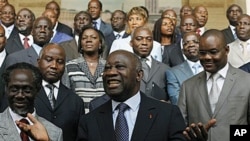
{"points": [[56, 84], [222, 72], [133, 102], [37, 48], [15, 116], [191, 63], [121, 33]]}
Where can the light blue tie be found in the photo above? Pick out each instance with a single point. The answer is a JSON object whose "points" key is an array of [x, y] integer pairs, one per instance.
{"points": [[196, 68], [121, 125]]}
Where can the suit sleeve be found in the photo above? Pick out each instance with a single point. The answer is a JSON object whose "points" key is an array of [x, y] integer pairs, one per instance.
{"points": [[173, 87], [82, 133]]}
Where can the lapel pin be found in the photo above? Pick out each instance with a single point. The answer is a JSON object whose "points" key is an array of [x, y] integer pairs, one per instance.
{"points": [[150, 116]]}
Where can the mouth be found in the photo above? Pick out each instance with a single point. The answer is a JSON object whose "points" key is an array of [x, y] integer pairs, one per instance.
{"points": [[112, 84]]}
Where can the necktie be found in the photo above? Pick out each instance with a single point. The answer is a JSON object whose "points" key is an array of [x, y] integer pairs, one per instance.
{"points": [[94, 24], [25, 42], [215, 91], [244, 49], [198, 31], [23, 134], [117, 36], [145, 68], [121, 126], [235, 35], [51, 96], [196, 68]]}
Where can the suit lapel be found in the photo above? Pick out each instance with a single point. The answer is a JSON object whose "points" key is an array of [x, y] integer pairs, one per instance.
{"points": [[203, 91], [154, 67], [62, 94], [105, 122], [44, 98], [145, 118], [226, 89], [186, 69]]}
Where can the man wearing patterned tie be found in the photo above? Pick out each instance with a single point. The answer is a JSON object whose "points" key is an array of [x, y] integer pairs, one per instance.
{"points": [[178, 74], [199, 102], [143, 116], [66, 107], [23, 82]]}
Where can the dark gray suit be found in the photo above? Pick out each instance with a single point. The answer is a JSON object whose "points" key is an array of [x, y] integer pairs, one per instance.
{"points": [[64, 29], [105, 28], [172, 55], [175, 77], [233, 106], [227, 32], [8, 131], [14, 43], [157, 77]]}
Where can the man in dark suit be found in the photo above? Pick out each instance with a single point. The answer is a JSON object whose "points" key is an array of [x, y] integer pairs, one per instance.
{"points": [[233, 12], [42, 33], [146, 118], [95, 9], [60, 27], [220, 92], [21, 32], [172, 54], [154, 71], [23, 82], [68, 107], [3, 54], [7, 17], [190, 67], [118, 23]]}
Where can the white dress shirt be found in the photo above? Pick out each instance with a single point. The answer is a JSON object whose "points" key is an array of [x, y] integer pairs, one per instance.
{"points": [[131, 113], [8, 30], [2, 57]]}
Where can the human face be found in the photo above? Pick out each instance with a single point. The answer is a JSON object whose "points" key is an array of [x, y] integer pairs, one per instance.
{"points": [[42, 31], [118, 21], [3, 3], [243, 28], [142, 42], [8, 15], [121, 79], [191, 46], [2, 39], [188, 24], [167, 27], [94, 9], [213, 54], [201, 15], [185, 10], [51, 15], [80, 21], [52, 63], [135, 21], [90, 41], [233, 13], [21, 91], [53, 6], [24, 21]]}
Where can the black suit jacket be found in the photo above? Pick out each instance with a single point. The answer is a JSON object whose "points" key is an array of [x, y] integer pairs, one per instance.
{"points": [[156, 121], [3, 98], [228, 35], [172, 55], [66, 114], [64, 29], [109, 40], [14, 43]]}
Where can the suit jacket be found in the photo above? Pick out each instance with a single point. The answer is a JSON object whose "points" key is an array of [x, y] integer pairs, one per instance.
{"points": [[60, 37], [175, 77], [245, 67], [164, 122], [172, 55], [228, 35], [3, 99], [235, 55], [14, 42], [70, 48], [157, 77], [66, 114], [98, 101], [109, 40], [105, 28], [8, 131], [26, 55], [233, 106], [64, 29]]}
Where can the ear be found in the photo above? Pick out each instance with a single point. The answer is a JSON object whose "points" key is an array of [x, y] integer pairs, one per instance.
{"points": [[139, 75]]}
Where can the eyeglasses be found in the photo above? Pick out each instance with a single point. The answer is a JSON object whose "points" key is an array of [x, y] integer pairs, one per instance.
{"points": [[116, 19]]}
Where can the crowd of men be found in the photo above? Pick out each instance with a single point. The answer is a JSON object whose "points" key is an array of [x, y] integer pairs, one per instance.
{"points": [[176, 82]]}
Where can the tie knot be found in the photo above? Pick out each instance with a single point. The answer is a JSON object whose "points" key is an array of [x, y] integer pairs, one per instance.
{"points": [[50, 86], [117, 36], [244, 44], [196, 66], [215, 76], [143, 59], [26, 39], [122, 107], [23, 120]]}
